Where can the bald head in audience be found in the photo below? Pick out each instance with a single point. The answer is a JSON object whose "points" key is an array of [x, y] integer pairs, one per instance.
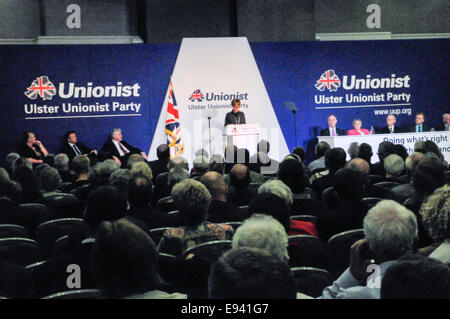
{"points": [[178, 161], [359, 164], [240, 176], [215, 184]]}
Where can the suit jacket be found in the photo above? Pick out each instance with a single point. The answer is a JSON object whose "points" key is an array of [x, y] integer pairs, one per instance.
{"points": [[110, 148], [231, 118], [440, 127], [222, 212], [412, 128], [385, 130], [68, 150], [158, 166], [326, 132]]}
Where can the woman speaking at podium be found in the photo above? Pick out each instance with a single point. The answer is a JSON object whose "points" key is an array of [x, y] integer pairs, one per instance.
{"points": [[235, 116]]}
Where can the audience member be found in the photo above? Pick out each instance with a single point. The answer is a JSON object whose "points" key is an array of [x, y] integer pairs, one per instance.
{"points": [[217, 164], [192, 200], [319, 163], [394, 167], [239, 192], [160, 165], [365, 152], [416, 277], [142, 167], [384, 149], [335, 159], [390, 232], [251, 273], [353, 150], [25, 178], [63, 166], [125, 262]]}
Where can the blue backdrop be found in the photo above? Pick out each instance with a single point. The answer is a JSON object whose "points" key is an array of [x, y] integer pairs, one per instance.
{"points": [[289, 70]]}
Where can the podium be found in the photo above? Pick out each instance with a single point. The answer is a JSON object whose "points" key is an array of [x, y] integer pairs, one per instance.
{"points": [[243, 136]]}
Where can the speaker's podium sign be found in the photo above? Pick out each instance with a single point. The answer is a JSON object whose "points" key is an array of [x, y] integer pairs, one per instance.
{"points": [[441, 138], [242, 136]]}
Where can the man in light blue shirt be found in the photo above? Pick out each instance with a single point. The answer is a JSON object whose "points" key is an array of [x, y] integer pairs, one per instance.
{"points": [[390, 231]]}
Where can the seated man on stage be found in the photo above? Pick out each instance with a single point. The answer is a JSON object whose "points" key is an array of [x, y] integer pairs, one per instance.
{"points": [[71, 147], [420, 126], [445, 125], [390, 127], [332, 130], [235, 116], [119, 149], [357, 130]]}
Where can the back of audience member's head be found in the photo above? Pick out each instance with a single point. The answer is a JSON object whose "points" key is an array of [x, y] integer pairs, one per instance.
{"points": [[391, 230], [432, 147], [175, 175], [4, 175], [243, 156], [412, 161], [61, 162], [201, 164], [263, 146], [49, 159], [270, 204], [365, 152], [134, 158], [101, 172], [124, 259], [217, 164], [215, 184], [265, 232], [81, 164], [335, 159], [429, 175], [178, 161], [21, 162], [240, 176], [419, 146], [359, 164], [142, 167], [163, 152], [230, 154], [251, 273], [140, 190], [435, 212], [50, 179], [300, 152], [394, 165], [384, 149], [105, 203], [401, 151], [192, 200], [278, 188], [321, 149], [290, 172], [349, 184], [119, 179], [10, 158], [353, 150], [11, 190], [201, 152], [416, 277]]}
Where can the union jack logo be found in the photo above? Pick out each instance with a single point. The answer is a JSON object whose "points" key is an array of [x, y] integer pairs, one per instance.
{"points": [[328, 80], [173, 127], [42, 87], [197, 95]]}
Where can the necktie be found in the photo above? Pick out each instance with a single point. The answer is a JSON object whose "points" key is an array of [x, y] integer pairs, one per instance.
{"points": [[76, 149], [420, 128], [123, 149], [391, 129], [333, 132]]}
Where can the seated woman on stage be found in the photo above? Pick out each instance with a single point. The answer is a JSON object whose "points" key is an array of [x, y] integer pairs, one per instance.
{"points": [[32, 149], [357, 130]]}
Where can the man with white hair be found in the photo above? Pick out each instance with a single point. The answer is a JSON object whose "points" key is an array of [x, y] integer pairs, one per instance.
{"points": [[390, 232], [119, 149], [265, 232], [278, 188], [390, 127], [445, 125], [394, 166]]}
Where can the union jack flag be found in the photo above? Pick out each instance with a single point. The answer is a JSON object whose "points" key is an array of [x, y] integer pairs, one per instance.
{"points": [[173, 127], [328, 80], [42, 87], [197, 95]]}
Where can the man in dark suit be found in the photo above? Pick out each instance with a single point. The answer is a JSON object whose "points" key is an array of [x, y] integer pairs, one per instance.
{"points": [[445, 125], [71, 147], [120, 150], [332, 130], [160, 165], [390, 127], [235, 116], [420, 126]]}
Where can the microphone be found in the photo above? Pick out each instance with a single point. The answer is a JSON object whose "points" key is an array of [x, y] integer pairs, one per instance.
{"points": [[291, 107]]}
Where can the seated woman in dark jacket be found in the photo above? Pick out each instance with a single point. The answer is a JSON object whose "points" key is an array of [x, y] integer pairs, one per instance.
{"points": [[32, 149]]}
